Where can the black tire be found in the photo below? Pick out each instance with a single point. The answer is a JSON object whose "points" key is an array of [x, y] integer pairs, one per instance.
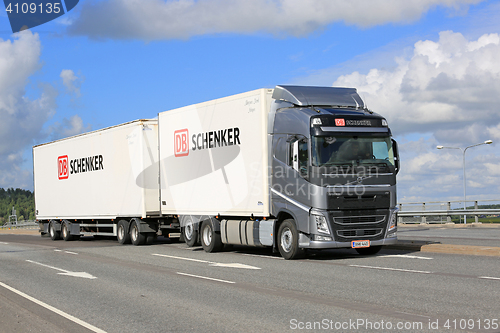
{"points": [[288, 240], [210, 240], [150, 238], [122, 232], [136, 237], [54, 234], [190, 232], [65, 231], [368, 251]]}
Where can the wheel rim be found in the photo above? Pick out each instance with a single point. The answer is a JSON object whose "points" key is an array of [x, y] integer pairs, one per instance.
{"points": [[52, 231], [207, 235], [65, 230], [121, 232], [286, 240], [188, 231], [134, 233]]}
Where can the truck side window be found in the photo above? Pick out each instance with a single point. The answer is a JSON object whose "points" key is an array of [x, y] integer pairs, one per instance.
{"points": [[303, 158], [298, 156]]}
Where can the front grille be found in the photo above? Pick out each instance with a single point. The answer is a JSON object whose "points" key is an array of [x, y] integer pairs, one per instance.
{"points": [[348, 225], [359, 219], [351, 233]]}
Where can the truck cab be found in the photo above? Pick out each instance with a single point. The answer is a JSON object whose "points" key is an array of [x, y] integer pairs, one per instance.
{"points": [[334, 165]]}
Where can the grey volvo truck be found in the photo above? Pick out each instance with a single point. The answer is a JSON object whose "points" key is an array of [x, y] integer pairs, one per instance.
{"points": [[334, 168]]}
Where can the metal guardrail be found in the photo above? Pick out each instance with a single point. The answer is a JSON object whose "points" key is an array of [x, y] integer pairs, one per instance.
{"points": [[20, 225], [419, 212]]}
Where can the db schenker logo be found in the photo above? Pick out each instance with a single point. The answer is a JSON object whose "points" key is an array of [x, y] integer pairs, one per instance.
{"points": [[181, 143], [62, 167]]}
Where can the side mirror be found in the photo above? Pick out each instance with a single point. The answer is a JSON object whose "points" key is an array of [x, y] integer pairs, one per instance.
{"points": [[396, 155]]}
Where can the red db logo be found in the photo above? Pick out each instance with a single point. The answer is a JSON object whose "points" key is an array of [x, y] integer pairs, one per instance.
{"points": [[339, 122], [62, 167], [181, 143]]}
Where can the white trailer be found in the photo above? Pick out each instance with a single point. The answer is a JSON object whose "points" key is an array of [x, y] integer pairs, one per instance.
{"points": [[99, 183], [213, 157]]}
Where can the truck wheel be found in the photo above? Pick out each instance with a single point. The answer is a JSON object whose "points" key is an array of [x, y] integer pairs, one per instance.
{"points": [[136, 237], [210, 240], [54, 234], [65, 232], [288, 240], [123, 235], [190, 233], [367, 251], [150, 238]]}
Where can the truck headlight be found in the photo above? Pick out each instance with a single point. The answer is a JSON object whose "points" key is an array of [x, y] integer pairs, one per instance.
{"points": [[321, 224], [392, 222], [391, 227]]}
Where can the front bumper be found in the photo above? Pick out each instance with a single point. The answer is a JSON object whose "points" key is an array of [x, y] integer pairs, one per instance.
{"points": [[306, 243]]}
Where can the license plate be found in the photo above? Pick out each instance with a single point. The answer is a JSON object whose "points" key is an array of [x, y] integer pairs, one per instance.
{"points": [[360, 243]]}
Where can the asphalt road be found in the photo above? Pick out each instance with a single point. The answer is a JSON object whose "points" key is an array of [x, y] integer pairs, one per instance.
{"points": [[458, 234], [100, 286]]}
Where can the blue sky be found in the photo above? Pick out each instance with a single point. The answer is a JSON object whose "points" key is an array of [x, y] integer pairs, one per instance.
{"points": [[432, 67]]}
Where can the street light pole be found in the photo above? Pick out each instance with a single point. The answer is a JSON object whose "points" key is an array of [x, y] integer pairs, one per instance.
{"points": [[487, 142]]}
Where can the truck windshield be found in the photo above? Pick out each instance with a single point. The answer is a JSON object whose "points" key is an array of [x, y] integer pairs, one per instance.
{"points": [[352, 150]]}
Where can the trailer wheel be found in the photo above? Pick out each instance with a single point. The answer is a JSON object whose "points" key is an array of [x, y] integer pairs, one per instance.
{"points": [[288, 240], [136, 237], [54, 234], [368, 251], [189, 231], [122, 232], [210, 240], [65, 231]]}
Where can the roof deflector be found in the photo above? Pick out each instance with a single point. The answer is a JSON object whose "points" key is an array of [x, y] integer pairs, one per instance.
{"points": [[318, 96]]}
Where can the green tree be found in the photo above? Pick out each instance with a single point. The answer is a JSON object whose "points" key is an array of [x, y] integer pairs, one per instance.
{"points": [[22, 200]]}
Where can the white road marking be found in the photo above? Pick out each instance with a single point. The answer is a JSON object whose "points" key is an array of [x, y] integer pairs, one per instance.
{"points": [[65, 272], [211, 263], [53, 309], [4, 243], [233, 265], [404, 256], [68, 252], [488, 277], [262, 256], [392, 269], [183, 258], [206, 278]]}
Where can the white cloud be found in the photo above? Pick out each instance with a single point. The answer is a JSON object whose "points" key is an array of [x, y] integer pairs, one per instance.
{"points": [[68, 127], [22, 118], [449, 91], [449, 87], [71, 82], [157, 19]]}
